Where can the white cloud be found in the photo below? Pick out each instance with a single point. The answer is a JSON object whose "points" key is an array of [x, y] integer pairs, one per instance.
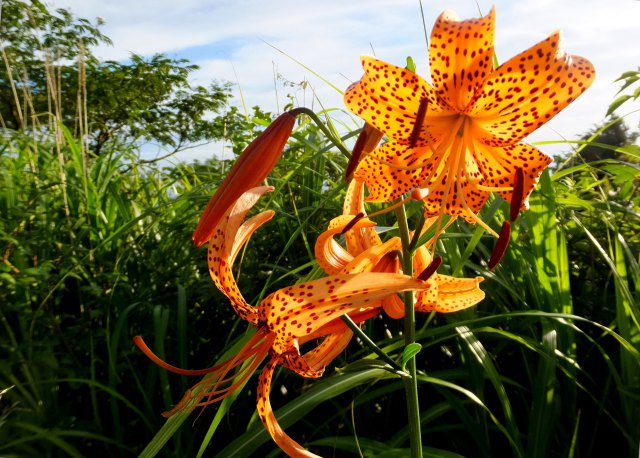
{"points": [[329, 36]]}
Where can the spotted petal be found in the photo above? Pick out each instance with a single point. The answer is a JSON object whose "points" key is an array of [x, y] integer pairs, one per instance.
{"points": [[331, 257], [227, 238], [265, 412], [460, 57], [498, 167], [389, 97], [528, 90], [358, 240], [387, 182], [453, 294], [301, 309]]}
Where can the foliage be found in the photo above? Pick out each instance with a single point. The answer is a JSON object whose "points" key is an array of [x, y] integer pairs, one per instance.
{"points": [[96, 248], [49, 67]]}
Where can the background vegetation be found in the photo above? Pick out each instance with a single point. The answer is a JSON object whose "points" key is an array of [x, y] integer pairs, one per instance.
{"points": [[95, 248]]}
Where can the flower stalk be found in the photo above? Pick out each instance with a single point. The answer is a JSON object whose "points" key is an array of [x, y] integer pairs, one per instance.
{"points": [[411, 382]]}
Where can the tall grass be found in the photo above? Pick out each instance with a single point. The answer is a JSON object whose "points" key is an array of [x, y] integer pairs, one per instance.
{"points": [[96, 249]]}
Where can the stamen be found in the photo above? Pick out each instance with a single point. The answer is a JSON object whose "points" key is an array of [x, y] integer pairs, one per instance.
{"points": [[352, 223], [482, 187], [163, 364], [431, 269], [517, 195], [417, 126], [501, 245], [391, 207]]}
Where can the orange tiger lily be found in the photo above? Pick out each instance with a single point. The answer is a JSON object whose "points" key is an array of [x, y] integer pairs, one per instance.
{"points": [[366, 252], [460, 137], [283, 320]]}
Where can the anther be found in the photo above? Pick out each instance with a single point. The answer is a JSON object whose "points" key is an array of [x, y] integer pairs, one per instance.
{"points": [[501, 245], [417, 126], [352, 223], [517, 195], [431, 269]]}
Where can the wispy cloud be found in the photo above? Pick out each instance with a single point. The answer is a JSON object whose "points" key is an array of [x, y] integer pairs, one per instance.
{"points": [[329, 36]]}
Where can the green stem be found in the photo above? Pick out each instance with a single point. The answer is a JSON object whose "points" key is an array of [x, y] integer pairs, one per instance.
{"points": [[411, 382], [369, 343], [323, 128]]}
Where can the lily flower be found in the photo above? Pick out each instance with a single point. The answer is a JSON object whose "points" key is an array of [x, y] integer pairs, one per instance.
{"points": [[461, 136], [365, 252], [284, 320]]}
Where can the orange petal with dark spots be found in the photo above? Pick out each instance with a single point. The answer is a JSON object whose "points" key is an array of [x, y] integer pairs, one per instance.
{"points": [[388, 98], [460, 57], [265, 412], [498, 166], [227, 238], [528, 90], [453, 294], [301, 309], [388, 182], [250, 169], [331, 257]]}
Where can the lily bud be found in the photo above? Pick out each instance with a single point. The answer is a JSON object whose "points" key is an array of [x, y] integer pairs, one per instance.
{"points": [[252, 167]]}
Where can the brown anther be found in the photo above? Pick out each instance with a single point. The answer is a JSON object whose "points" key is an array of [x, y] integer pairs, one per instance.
{"points": [[501, 245], [352, 223], [417, 126], [517, 195], [431, 269]]}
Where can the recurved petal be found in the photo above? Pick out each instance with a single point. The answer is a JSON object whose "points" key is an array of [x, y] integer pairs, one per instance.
{"points": [[378, 258], [331, 257], [388, 173], [388, 98], [528, 90], [393, 306], [227, 238], [313, 362], [301, 309], [358, 240], [453, 294], [498, 166], [460, 57], [265, 412]]}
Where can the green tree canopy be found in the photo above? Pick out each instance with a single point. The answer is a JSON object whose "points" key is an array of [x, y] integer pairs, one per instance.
{"points": [[49, 67]]}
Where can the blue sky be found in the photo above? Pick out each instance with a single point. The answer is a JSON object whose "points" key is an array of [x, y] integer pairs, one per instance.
{"points": [[228, 39]]}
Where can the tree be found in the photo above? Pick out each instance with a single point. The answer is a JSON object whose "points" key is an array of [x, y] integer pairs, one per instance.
{"points": [[49, 68]]}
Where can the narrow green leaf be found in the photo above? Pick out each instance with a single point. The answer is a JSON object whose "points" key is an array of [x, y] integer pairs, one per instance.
{"points": [[409, 352]]}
